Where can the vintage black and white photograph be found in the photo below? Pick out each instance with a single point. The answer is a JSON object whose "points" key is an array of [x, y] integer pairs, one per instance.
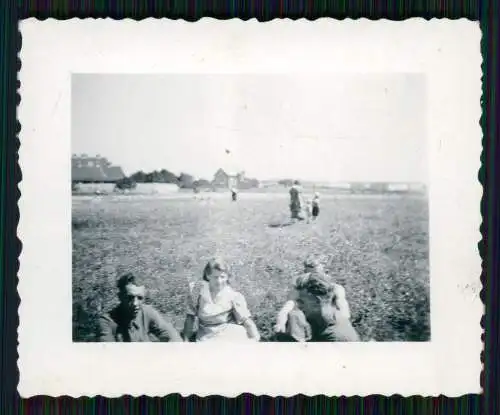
{"points": [[228, 207], [250, 208]]}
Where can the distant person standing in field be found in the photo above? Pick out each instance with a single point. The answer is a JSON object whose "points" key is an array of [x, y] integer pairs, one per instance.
{"points": [[315, 206], [316, 310], [296, 202], [132, 320], [221, 312], [234, 194]]}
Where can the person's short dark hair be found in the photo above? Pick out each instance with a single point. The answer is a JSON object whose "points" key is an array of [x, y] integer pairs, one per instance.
{"points": [[125, 280], [296, 182], [315, 283], [215, 264]]}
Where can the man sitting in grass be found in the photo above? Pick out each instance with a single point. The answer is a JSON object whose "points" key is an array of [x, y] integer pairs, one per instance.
{"points": [[318, 311], [132, 320]]}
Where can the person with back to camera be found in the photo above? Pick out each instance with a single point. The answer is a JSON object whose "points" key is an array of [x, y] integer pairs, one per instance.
{"points": [[221, 312], [317, 301], [329, 305], [234, 194], [296, 202], [315, 206], [132, 320]]}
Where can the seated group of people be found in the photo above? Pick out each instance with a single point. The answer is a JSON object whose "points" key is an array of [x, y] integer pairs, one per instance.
{"points": [[316, 311]]}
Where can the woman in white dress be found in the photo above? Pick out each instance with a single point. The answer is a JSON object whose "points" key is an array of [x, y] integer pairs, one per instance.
{"points": [[221, 312]]}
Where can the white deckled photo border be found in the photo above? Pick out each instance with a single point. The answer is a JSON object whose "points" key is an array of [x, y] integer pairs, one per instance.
{"points": [[446, 51]]}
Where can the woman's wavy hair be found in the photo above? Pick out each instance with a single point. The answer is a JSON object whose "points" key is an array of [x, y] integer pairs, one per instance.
{"points": [[215, 264], [316, 283]]}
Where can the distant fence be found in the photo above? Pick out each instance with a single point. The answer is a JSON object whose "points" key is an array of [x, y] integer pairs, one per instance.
{"points": [[155, 188], [170, 189], [140, 189], [348, 189], [93, 188]]}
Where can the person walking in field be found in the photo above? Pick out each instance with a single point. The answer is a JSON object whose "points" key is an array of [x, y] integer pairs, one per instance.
{"points": [[132, 320], [296, 201], [221, 312], [234, 194], [315, 206], [316, 310]]}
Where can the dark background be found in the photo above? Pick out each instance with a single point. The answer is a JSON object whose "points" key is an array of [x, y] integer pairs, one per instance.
{"points": [[10, 174]]}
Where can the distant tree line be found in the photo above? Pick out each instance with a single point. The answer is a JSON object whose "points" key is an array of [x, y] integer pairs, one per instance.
{"points": [[286, 182], [184, 180], [248, 183], [161, 176]]}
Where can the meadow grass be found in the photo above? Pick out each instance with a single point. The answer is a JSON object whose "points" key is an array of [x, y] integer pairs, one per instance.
{"points": [[376, 247]]}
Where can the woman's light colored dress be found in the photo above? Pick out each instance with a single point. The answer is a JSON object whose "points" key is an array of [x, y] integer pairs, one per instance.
{"points": [[221, 318]]}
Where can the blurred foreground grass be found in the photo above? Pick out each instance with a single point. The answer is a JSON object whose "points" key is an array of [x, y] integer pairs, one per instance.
{"points": [[376, 247]]}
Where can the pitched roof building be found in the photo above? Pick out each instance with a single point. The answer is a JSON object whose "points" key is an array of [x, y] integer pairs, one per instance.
{"points": [[226, 180], [87, 169]]}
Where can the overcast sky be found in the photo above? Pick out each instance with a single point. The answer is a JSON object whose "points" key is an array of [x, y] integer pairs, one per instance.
{"points": [[311, 127]]}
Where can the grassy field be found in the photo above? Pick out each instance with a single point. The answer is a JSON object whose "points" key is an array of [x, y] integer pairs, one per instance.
{"points": [[375, 246]]}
